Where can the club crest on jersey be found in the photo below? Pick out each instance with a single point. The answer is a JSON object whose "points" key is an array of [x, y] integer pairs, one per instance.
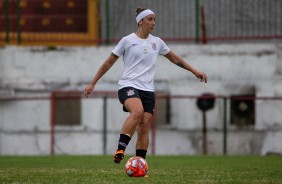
{"points": [[154, 46], [130, 92]]}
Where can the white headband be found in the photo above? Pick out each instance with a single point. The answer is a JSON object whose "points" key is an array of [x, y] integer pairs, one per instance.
{"points": [[143, 14]]}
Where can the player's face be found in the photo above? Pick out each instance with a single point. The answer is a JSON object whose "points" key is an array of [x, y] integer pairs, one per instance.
{"points": [[149, 22]]}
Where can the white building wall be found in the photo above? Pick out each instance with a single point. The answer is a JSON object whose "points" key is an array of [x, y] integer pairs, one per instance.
{"points": [[232, 69]]}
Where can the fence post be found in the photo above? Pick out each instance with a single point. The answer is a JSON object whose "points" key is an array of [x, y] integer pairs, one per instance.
{"points": [[7, 39], [197, 21], [204, 132], [52, 123], [105, 125], [107, 22], [203, 26], [224, 125]]}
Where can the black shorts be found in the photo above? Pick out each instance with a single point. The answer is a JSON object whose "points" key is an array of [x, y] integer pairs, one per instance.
{"points": [[147, 98]]}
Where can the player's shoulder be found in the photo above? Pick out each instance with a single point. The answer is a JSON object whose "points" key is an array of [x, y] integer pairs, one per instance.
{"points": [[129, 37], [126, 39], [156, 38]]}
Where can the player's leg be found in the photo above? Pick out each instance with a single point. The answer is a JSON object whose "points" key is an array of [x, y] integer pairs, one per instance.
{"points": [[135, 107], [148, 102], [130, 99], [143, 129]]}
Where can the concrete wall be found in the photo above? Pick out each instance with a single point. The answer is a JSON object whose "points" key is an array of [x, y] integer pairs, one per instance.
{"points": [[232, 70]]}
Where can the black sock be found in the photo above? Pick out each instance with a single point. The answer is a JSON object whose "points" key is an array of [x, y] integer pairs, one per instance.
{"points": [[123, 141], [141, 153]]}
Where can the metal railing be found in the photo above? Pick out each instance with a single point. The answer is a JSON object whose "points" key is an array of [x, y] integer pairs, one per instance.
{"points": [[216, 132], [90, 22]]}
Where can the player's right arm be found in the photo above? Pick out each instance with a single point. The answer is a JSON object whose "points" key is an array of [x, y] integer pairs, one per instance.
{"points": [[102, 70]]}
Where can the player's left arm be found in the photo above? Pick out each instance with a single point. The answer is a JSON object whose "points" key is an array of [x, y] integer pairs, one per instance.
{"points": [[174, 58]]}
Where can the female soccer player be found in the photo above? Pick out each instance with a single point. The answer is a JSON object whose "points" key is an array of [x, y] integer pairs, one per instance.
{"points": [[136, 86]]}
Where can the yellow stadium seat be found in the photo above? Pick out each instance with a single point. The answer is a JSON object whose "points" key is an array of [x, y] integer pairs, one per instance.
{"points": [[69, 21], [45, 22], [46, 4], [22, 22], [70, 4], [23, 4]]}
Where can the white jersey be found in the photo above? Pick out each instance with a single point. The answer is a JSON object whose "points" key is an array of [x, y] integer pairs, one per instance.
{"points": [[139, 57]]}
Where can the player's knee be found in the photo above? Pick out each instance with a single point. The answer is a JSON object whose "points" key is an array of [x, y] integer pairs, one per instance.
{"points": [[137, 114], [144, 126], [145, 123]]}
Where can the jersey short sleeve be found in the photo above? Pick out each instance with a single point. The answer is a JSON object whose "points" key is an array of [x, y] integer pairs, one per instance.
{"points": [[163, 48], [120, 47]]}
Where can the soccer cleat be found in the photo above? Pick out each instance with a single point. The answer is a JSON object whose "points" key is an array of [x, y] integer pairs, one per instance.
{"points": [[119, 155]]}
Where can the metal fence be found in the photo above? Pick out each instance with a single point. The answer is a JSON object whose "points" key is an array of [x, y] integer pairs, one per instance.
{"points": [[191, 20], [106, 21], [240, 125]]}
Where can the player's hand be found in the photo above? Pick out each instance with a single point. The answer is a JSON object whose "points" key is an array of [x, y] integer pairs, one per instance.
{"points": [[88, 89], [202, 76]]}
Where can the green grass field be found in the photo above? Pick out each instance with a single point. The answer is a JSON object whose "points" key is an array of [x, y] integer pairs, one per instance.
{"points": [[162, 169]]}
